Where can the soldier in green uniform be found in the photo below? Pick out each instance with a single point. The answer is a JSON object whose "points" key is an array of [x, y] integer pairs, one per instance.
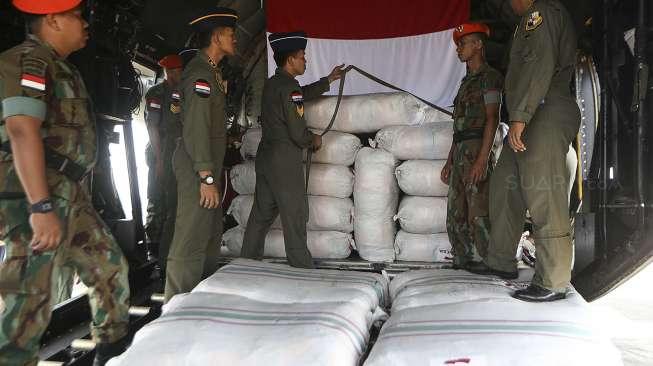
{"points": [[46, 217], [469, 166], [532, 174], [162, 117], [279, 169], [199, 156]]}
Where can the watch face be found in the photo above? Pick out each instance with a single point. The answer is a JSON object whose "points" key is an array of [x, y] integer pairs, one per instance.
{"points": [[209, 180]]}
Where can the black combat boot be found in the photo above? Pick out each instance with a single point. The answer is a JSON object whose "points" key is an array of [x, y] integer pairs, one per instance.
{"points": [[535, 293], [106, 351]]}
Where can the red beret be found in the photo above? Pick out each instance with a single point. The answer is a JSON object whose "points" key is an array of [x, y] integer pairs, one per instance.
{"points": [[469, 28], [45, 7], [171, 62]]}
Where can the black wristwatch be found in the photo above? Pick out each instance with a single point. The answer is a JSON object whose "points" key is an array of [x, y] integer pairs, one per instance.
{"points": [[208, 180], [42, 206]]}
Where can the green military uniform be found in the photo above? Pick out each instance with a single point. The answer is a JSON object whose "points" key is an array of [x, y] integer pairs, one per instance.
{"points": [[537, 92], [163, 112], [198, 231], [279, 170], [467, 206], [34, 81]]}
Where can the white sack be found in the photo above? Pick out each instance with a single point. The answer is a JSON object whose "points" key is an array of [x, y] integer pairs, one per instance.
{"points": [[423, 247], [250, 140], [422, 178], [430, 141], [338, 148], [324, 213], [321, 244], [375, 203], [572, 165], [280, 283], [495, 330], [370, 112], [243, 177], [423, 215], [218, 329], [325, 179]]}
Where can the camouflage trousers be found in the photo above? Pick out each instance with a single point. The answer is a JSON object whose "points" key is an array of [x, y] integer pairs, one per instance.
{"points": [[26, 277], [468, 221]]}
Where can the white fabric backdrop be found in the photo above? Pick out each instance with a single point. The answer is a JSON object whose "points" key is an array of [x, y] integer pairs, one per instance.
{"points": [[425, 65]]}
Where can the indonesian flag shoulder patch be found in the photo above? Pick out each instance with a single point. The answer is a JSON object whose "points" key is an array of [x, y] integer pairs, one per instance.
{"points": [[296, 97], [32, 81], [202, 88], [153, 103]]}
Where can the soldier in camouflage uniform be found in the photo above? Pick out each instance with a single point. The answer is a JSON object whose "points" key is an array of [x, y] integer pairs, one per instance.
{"points": [[200, 154], [46, 216], [163, 120], [469, 166]]}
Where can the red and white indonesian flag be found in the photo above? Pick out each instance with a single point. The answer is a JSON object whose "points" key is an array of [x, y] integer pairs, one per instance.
{"points": [[406, 43]]}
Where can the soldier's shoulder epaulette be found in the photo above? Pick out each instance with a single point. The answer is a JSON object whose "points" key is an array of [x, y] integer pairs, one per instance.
{"points": [[155, 91]]}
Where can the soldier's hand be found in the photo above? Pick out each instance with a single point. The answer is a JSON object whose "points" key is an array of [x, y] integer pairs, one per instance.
{"points": [[209, 195], [336, 73], [514, 136], [478, 172], [444, 174], [47, 231], [317, 142]]}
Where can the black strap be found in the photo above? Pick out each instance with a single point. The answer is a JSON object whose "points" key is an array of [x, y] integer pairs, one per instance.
{"points": [[309, 156], [469, 134], [58, 162]]}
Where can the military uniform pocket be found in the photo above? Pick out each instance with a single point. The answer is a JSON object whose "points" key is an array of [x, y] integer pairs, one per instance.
{"points": [[73, 112]]}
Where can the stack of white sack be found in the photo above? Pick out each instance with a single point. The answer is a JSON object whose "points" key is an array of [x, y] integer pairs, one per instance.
{"points": [[370, 113], [338, 148], [446, 317], [324, 316], [325, 179], [376, 194], [330, 188], [423, 209], [321, 244]]}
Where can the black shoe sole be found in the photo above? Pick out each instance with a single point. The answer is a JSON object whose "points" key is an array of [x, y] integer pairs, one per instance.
{"points": [[540, 299]]}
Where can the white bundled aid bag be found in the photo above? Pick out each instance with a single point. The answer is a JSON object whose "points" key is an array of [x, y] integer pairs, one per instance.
{"points": [[280, 283], [324, 213], [243, 177], [321, 244], [422, 178], [489, 331], [338, 148], [212, 329], [370, 112], [375, 203], [446, 286], [423, 215], [250, 141], [325, 179], [430, 141], [423, 247]]}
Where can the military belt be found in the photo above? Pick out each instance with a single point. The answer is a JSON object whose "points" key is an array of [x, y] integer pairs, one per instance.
{"points": [[58, 162], [469, 134]]}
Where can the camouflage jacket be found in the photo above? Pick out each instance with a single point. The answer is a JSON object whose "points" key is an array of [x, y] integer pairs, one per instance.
{"points": [[476, 90], [36, 82]]}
